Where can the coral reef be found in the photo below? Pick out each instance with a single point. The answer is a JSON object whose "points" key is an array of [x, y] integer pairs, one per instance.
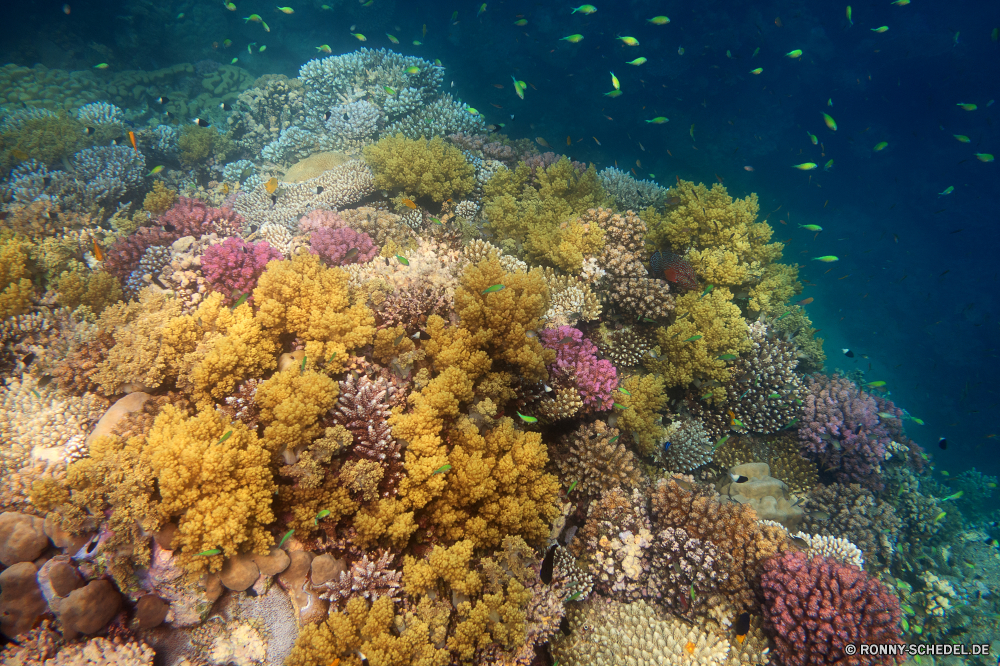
{"points": [[854, 513], [233, 267], [577, 367], [423, 168], [595, 462]]}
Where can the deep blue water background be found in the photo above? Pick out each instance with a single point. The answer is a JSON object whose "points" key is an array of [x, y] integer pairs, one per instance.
{"points": [[916, 285]]}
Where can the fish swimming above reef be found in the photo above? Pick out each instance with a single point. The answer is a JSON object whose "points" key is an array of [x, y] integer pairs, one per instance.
{"points": [[674, 269]]}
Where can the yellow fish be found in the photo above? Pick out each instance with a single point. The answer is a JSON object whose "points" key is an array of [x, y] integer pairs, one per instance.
{"points": [[230, 6], [102, 65], [797, 53], [614, 81], [572, 39], [805, 166], [271, 185], [757, 71], [629, 41], [812, 137], [325, 48], [286, 10], [637, 62], [359, 36], [658, 20], [830, 122]]}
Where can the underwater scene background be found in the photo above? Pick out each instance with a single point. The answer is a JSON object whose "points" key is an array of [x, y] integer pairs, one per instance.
{"points": [[381, 332]]}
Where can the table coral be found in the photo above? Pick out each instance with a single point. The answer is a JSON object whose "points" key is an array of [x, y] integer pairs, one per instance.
{"points": [[426, 168], [304, 298], [214, 478]]}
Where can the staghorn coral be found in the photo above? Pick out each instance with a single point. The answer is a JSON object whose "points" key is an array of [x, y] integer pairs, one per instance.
{"points": [[597, 463], [854, 513], [705, 328], [368, 579], [627, 286], [815, 607], [642, 397], [426, 168], [603, 634], [732, 528], [306, 299]]}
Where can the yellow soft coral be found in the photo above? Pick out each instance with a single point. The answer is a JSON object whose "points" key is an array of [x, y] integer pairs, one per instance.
{"points": [[374, 632], [214, 479], [718, 235], [496, 621], [431, 168], [304, 298], [81, 286], [770, 296], [291, 403], [643, 398], [706, 327], [539, 212], [451, 565], [16, 289]]}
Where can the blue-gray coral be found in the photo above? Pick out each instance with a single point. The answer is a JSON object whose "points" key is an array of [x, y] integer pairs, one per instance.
{"points": [[165, 139], [154, 259], [100, 113], [354, 125], [238, 171], [629, 193], [440, 118]]}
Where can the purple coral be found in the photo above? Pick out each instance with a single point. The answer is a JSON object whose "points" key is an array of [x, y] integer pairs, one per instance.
{"points": [[577, 365], [843, 430], [233, 266], [318, 219], [191, 217], [338, 247]]}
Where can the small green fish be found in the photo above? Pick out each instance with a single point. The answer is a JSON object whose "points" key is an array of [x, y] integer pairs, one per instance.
{"points": [[584, 9], [36, 394], [757, 71], [707, 396], [474, 112], [625, 391], [887, 415], [324, 48], [321, 515], [206, 553], [613, 93], [156, 170], [692, 592], [435, 220], [826, 259], [875, 384], [629, 41], [262, 49], [962, 138], [527, 419], [707, 291], [572, 39], [938, 518], [417, 42], [571, 487], [967, 106], [805, 166], [905, 624], [812, 137], [659, 120], [441, 470], [403, 260], [737, 424], [481, 10], [830, 122], [728, 357], [285, 538], [286, 10], [493, 289], [915, 420], [658, 20], [828, 165], [880, 29], [303, 367], [799, 402], [359, 36], [954, 496], [720, 443], [234, 61], [225, 437], [614, 81], [755, 52], [388, 90], [637, 62], [618, 405], [392, 38], [881, 145], [947, 190], [521, 23], [774, 396], [787, 312], [576, 595], [413, 69], [811, 227], [693, 338], [613, 439], [984, 157], [794, 54], [102, 65]]}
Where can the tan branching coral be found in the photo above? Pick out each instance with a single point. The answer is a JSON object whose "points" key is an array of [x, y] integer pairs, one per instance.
{"points": [[628, 286], [596, 462]]}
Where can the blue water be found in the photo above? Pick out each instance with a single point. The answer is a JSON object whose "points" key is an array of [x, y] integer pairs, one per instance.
{"points": [[915, 287]]}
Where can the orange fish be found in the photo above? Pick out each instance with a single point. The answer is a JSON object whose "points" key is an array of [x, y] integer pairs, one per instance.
{"points": [[748, 168], [271, 185], [805, 301], [131, 137], [638, 164], [409, 204], [98, 252]]}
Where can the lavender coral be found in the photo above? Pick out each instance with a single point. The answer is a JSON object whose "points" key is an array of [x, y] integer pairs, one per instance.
{"points": [[233, 267], [337, 247], [843, 430], [577, 365]]}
